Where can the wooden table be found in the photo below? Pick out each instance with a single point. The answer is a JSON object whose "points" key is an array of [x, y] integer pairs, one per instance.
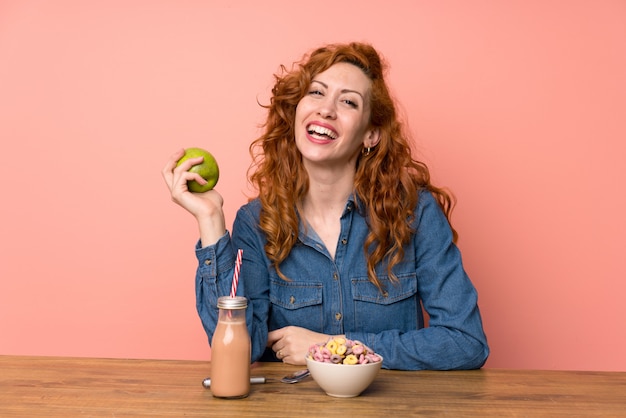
{"points": [[69, 387]]}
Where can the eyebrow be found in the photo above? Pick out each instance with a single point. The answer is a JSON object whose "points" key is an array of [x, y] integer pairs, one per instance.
{"points": [[343, 91]]}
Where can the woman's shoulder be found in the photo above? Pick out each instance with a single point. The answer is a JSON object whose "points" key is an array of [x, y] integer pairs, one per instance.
{"points": [[425, 198], [252, 208], [429, 214], [428, 208]]}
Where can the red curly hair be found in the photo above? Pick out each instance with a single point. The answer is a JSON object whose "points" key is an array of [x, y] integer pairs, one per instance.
{"points": [[387, 179]]}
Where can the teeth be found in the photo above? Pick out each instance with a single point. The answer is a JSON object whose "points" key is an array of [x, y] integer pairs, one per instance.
{"points": [[319, 130]]}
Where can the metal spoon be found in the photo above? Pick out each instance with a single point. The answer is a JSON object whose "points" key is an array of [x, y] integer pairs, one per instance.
{"points": [[296, 376], [253, 379]]}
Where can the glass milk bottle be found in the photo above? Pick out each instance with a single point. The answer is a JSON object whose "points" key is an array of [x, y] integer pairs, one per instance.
{"points": [[230, 350]]}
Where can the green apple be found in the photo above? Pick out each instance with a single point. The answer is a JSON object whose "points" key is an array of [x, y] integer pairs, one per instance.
{"points": [[208, 169]]}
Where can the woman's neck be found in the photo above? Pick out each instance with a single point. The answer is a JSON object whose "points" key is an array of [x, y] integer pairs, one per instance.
{"points": [[324, 204], [328, 193]]}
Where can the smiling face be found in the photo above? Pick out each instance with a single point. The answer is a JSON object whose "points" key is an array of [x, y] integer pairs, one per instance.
{"points": [[332, 119]]}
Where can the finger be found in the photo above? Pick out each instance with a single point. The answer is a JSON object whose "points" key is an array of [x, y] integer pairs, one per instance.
{"points": [[188, 176], [187, 164], [277, 347], [168, 169], [273, 337], [171, 162]]}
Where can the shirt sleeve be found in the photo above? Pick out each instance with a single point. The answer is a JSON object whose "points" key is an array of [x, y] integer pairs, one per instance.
{"points": [[454, 338], [214, 276], [215, 263]]}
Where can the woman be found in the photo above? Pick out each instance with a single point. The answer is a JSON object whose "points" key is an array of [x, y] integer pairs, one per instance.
{"points": [[347, 236]]}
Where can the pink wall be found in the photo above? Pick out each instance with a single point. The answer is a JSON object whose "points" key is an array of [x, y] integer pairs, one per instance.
{"points": [[518, 106]]}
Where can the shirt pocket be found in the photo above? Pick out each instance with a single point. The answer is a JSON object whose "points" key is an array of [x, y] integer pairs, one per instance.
{"points": [[397, 307], [296, 303]]}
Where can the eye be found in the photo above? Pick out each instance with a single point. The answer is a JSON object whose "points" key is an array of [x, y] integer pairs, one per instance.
{"points": [[315, 92], [351, 103]]}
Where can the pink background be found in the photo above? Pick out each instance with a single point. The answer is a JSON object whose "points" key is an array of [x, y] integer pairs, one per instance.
{"points": [[517, 106]]}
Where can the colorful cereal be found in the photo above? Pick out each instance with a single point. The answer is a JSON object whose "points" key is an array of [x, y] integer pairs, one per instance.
{"points": [[343, 351]]}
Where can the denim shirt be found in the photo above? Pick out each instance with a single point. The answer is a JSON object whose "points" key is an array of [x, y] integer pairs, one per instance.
{"points": [[334, 296]]}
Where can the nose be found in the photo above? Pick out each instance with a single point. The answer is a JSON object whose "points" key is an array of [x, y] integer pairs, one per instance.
{"points": [[327, 109]]}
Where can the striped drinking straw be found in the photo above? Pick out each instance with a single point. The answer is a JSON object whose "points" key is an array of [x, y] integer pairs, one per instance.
{"points": [[233, 287]]}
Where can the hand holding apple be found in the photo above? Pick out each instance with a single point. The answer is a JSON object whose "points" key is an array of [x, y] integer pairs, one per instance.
{"points": [[208, 169], [205, 206]]}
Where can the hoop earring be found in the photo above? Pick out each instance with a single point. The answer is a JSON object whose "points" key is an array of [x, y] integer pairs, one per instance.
{"points": [[366, 151]]}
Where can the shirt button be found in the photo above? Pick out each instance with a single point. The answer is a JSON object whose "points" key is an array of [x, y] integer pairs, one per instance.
{"points": [[207, 262], [344, 241], [335, 276], [338, 316], [292, 300]]}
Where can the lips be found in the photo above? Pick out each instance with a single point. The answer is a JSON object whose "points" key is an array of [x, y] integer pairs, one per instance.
{"points": [[322, 132]]}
